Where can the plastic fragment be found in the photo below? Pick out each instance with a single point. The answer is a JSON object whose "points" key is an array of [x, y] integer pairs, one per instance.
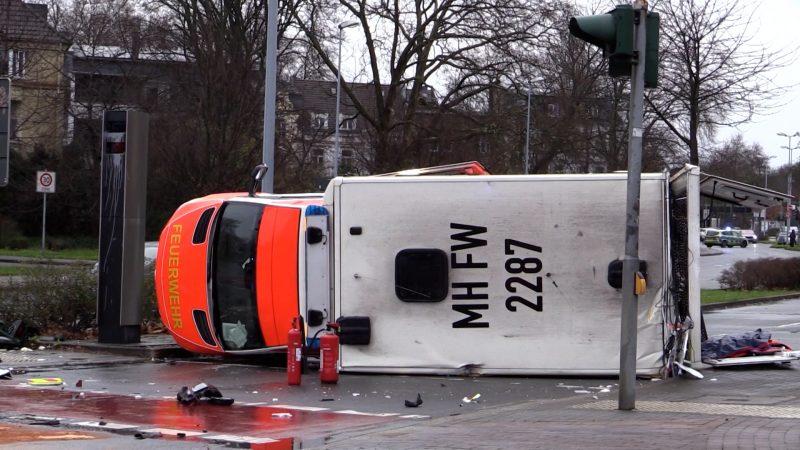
{"points": [[5, 374], [282, 415], [186, 396], [45, 381], [474, 398], [79, 383], [414, 404]]}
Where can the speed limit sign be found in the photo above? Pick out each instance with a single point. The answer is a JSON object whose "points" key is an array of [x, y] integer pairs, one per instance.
{"points": [[45, 182]]}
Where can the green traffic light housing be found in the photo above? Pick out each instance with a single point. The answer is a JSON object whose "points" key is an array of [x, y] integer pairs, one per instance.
{"points": [[614, 33], [651, 52]]}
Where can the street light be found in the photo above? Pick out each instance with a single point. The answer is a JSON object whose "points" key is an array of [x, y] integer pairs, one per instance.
{"points": [[528, 130], [766, 169], [336, 149], [789, 189]]}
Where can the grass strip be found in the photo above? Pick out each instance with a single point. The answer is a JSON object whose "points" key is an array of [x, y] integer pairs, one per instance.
{"points": [[708, 296], [72, 253]]}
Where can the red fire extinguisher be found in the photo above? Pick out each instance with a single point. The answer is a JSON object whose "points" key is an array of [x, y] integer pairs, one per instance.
{"points": [[329, 355], [294, 354]]}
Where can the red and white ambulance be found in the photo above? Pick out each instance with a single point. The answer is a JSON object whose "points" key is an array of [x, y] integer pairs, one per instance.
{"points": [[444, 274]]}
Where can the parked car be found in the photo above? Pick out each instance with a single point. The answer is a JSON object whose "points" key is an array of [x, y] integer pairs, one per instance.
{"points": [[782, 239], [724, 238], [750, 235], [703, 233], [150, 253]]}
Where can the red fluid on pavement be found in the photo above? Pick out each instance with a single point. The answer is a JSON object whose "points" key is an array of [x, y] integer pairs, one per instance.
{"points": [[254, 421]]}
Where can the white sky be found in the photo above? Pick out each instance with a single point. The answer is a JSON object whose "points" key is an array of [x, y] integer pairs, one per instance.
{"points": [[776, 27]]}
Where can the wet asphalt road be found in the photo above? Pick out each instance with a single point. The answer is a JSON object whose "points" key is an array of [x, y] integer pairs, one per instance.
{"points": [[143, 393], [130, 391]]}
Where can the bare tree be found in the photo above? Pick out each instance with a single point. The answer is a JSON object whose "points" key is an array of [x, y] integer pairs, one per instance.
{"points": [[711, 72], [737, 160], [465, 46]]}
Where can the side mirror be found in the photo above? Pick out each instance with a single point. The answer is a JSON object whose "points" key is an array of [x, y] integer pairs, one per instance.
{"points": [[256, 175]]}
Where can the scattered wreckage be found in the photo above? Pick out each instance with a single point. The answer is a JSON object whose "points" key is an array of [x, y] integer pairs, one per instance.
{"points": [[748, 348]]}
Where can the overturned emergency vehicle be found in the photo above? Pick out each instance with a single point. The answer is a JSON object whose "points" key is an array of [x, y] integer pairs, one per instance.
{"points": [[443, 274]]}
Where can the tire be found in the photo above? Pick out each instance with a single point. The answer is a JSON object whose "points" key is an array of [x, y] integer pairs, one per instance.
{"points": [[743, 244], [723, 244], [709, 245]]}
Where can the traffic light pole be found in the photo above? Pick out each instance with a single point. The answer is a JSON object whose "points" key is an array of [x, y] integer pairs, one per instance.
{"points": [[630, 265]]}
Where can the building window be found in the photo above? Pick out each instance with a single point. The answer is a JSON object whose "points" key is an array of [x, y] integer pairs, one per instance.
{"points": [[17, 60], [553, 110], [318, 156], [346, 123], [347, 156], [320, 120]]}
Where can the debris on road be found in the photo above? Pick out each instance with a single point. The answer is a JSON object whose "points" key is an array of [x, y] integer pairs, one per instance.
{"points": [[204, 393], [45, 381], [473, 399], [747, 348], [414, 404]]}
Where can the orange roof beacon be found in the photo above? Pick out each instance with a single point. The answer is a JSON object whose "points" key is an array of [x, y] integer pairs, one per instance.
{"points": [[233, 270]]}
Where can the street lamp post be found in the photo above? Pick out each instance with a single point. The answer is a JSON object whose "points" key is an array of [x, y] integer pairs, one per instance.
{"points": [[336, 148], [766, 169], [789, 182], [528, 131]]}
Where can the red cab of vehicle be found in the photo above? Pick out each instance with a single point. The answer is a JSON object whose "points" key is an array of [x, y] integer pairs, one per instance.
{"points": [[234, 270]]}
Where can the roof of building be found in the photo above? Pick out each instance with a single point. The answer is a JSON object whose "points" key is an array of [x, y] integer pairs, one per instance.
{"points": [[25, 22], [320, 95]]}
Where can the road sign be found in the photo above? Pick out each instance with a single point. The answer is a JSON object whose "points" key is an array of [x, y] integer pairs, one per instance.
{"points": [[45, 182], [5, 128]]}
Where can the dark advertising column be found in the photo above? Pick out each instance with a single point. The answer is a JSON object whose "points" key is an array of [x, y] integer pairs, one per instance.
{"points": [[123, 191]]}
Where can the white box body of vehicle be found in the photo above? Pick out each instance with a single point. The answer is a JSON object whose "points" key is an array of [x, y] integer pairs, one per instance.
{"points": [[496, 274]]}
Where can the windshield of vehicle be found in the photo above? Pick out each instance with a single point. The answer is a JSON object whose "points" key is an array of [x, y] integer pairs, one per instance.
{"points": [[233, 276]]}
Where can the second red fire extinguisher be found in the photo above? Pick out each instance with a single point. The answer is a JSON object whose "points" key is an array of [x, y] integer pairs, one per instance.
{"points": [[329, 355], [294, 354]]}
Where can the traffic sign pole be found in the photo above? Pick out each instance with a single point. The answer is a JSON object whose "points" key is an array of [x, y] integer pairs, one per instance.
{"points": [[44, 216], [630, 307], [45, 183]]}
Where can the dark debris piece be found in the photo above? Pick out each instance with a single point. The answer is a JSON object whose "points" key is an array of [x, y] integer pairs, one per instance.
{"points": [[414, 404], [222, 401], [204, 393], [186, 396]]}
